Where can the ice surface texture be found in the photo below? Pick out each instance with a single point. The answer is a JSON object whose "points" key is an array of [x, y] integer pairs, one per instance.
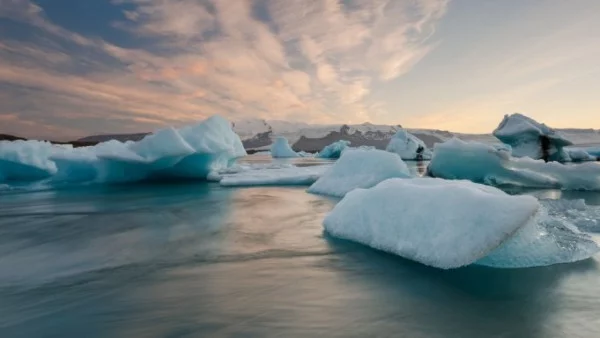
{"points": [[281, 149], [276, 176], [449, 224], [334, 150], [481, 163], [189, 152], [408, 146], [579, 155], [524, 135], [359, 168], [26, 160]]}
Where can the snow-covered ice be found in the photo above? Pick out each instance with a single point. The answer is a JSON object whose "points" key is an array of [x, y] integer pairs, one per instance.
{"points": [[579, 155], [281, 148], [334, 150], [408, 146], [359, 168], [431, 221], [449, 224], [527, 137], [494, 165], [26, 160], [189, 152]]}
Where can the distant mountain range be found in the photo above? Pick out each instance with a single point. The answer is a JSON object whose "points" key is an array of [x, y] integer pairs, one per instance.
{"points": [[256, 134]]}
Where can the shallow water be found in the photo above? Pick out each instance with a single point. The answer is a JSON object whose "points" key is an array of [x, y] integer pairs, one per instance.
{"points": [[197, 260]]}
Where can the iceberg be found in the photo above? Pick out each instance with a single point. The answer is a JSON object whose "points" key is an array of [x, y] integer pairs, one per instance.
{"points": [[359, 168], [292, 175], [471, 223], [26, 160], [305, 154], [529, 138], [579, 155], [334, 150], [492, 165], [281, 149], [593, 151], [408, 146], [190, 152]]}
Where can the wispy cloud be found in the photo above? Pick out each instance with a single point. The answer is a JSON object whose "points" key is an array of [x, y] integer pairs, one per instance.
{"points": [[306, 60]]}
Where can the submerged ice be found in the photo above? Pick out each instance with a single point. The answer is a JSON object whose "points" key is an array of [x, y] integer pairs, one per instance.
{"points": [[188, 152], [359, 168], [434, 222], [494, 165]]}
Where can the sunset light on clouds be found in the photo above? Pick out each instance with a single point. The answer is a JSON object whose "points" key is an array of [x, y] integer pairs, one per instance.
{"points": [[73, 68]]}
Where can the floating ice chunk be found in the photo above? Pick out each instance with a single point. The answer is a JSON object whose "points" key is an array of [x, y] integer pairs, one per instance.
{"points": [[594, 151], [218, 175], [77, 164], [580, 155], [444, 224], [162, 149], [358, 168], [26, 160], [334, 150], [215, 145], [408, 146], [481, 163], [528, 138], [213, 136], [281, 148], [279, 176], [190, 152], [305, 154]]}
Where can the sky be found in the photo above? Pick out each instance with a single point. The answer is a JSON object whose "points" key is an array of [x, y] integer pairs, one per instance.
{"points": [[71, 68]]}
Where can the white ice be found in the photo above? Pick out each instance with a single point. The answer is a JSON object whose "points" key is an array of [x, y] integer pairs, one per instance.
{"points": [[359, 168], [445, 224], [26, 160], [524, 135], [291, 175], [408, 146], [493, 165], [579, 155], [281, 148], [449, 224], [334, 150], [189, 152]]}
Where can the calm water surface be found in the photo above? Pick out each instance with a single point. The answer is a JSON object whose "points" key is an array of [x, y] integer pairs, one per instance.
{"points": [[197, 260]]}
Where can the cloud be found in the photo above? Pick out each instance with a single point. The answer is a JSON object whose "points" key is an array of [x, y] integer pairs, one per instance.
{"points": [[301, 60]]}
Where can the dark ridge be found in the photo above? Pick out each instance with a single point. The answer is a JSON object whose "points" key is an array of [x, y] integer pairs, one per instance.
{"points": [[75, 144], [377, 139], [258, 141], [6, 137], [118, 137]]}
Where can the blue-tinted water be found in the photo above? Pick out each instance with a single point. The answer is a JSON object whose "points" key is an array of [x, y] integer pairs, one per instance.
{"points": [[197, 260]]}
